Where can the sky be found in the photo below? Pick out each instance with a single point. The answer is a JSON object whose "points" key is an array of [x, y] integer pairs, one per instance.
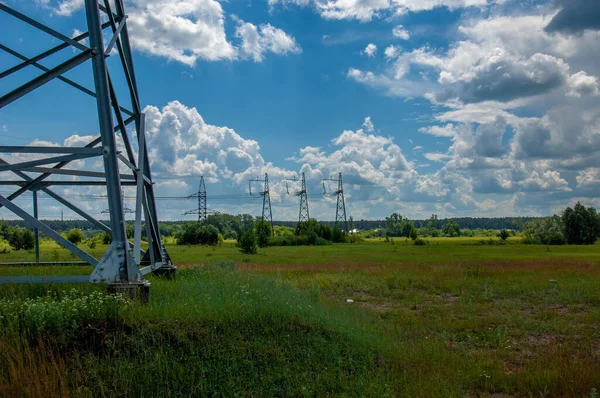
{"points": [[460, 108]]}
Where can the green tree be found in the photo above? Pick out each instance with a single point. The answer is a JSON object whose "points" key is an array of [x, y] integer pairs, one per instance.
{"points": [[106, 238], [263, 232], [581, 225], [189, 234], [406, 228], [545, 231], [246, 223], [338, 235], [413, 233], [27, 239], [75, 236], [247, 242], [20, 238], [451, 229], [208, 235], [503, 234], [432, 226], [393, 225]]}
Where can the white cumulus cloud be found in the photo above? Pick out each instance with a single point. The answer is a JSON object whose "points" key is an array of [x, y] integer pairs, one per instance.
{"points": [[370, 50]]}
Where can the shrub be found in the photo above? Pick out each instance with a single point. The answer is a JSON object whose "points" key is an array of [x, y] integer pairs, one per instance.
{"points": [[247, 243], [193, 234], [106, 238], [263, 232], [547, 231], [75, 236], [321, 242], [59, 315], [354, 239], [283, 240], [420, 242], [413, 233], [503, 234], [338, 235], [451, 229], [230, 234], [21, 238]]}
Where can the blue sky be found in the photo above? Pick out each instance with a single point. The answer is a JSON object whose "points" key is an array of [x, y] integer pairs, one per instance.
{"points": [[453, 107]]}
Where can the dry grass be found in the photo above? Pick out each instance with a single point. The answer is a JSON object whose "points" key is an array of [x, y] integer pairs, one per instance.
{"points": [[31, 370]]}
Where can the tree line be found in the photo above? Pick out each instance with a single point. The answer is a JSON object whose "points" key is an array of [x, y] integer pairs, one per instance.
{"points": [[227, 224]]}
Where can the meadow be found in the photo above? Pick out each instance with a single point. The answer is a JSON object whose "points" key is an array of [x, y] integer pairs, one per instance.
{"points": [[458, 317]]}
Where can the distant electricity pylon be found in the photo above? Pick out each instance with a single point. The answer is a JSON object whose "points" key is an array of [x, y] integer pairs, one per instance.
{"points": [[124, 264], [201, 211], [303, 214], [267, 214], [340, 210]]}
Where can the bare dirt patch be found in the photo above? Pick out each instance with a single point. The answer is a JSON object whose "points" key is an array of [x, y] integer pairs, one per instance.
{"points": [[541, 340]]}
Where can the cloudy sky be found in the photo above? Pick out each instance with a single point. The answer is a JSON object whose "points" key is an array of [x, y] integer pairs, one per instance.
{"points": [[453, 107]]}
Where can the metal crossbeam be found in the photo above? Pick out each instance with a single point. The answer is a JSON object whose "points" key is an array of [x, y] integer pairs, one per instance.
{"points": [[48, 231], [44, 279], [33, 163], [45, 78], [43, 27], [51, 149], [67, 183], [42, 67]]}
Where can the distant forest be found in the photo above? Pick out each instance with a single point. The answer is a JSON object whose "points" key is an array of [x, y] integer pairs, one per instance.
{"points": [[166, 227]]}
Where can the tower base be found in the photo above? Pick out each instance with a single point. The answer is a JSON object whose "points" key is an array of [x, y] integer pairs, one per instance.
{"points": [[137, 291]]}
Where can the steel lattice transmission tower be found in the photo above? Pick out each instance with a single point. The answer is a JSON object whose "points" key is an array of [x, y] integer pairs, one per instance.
{"points": [[303, 214], [124, 264], [201, 210], [267, 213], [340, 210], [202, 213]]}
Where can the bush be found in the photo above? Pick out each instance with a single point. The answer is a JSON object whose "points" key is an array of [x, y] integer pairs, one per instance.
{"points": [[75, 236], [263, 232], [283, 240], [547, 231], [503, 234], [193, 234], [60, 317], [322, 242], [413, 233], [420, 242], [106, 238], [247, 243], [354, 239], [21, 238], [338, 235], [230, 234]]}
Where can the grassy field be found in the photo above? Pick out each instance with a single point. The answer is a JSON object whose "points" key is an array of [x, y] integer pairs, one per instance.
{"points": [[455, 318]]}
